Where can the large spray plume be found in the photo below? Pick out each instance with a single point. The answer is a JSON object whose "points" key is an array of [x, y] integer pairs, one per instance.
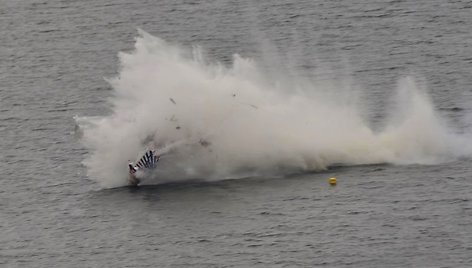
{"points": [[210, 121]]}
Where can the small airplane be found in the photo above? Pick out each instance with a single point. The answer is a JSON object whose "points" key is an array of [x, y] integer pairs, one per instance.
{"points": [[146, 164]]}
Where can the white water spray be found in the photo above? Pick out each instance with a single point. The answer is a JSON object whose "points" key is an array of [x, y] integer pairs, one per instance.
{"points": [[214, 122]]}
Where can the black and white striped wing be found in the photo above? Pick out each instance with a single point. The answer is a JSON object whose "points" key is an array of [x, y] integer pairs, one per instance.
{"points": [[149, 160]]}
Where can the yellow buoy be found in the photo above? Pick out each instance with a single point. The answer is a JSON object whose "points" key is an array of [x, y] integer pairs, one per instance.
{"points": [[332, 181]]}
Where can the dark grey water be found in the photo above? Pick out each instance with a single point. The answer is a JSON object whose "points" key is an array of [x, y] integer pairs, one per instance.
{"points": [[55, 54]]}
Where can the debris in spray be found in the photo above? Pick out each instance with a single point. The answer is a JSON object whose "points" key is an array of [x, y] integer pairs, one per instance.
{"points": [[248, 104], [173, 119], [452, 109], [204, 143], [173, 101]]}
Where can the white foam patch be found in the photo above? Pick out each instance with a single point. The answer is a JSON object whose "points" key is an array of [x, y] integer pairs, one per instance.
{"points": [[214, 122]]}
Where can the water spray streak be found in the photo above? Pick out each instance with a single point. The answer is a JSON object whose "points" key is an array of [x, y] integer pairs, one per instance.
{"points": [[210, 122]]}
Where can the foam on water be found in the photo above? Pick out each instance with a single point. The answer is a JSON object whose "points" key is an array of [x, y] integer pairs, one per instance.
{"points": [[210, 121]]}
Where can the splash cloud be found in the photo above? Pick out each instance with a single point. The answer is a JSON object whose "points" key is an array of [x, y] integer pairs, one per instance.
{"points": [[211, 121]]}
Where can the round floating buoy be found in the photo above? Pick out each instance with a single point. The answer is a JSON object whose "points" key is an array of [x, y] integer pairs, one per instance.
{"points": [[332, 181]]}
